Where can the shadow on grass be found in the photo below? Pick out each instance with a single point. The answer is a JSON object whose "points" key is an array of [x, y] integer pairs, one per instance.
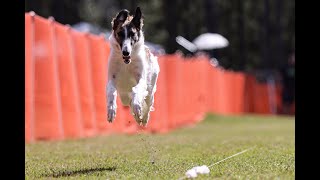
{"points": [[78, 172]]}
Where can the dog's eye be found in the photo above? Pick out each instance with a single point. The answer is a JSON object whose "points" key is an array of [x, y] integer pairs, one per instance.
{"points": [[133, 36], [121, 34]]}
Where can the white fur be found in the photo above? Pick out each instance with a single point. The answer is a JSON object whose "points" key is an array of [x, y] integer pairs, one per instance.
{"points": [[135, 82]]}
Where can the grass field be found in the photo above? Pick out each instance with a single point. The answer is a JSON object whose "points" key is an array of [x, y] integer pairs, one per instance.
{"points": [[170, 155]]}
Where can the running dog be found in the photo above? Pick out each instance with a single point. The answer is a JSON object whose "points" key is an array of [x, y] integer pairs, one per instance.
{"points": [[132, 68]]}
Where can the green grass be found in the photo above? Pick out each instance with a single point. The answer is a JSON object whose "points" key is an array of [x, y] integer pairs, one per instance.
{"points": [[170, 155]]}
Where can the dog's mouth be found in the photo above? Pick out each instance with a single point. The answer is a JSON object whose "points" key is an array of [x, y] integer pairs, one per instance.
{"points": [[126, 59]]}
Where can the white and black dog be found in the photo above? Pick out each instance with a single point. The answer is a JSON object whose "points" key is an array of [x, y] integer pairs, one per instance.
{"points": [[132, 69]]}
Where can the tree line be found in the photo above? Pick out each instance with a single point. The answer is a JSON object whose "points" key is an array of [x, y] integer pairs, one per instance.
{"points": [[261, 33]]}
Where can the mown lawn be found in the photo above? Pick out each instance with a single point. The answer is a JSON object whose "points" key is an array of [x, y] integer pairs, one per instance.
{"points": [[169, 156]]}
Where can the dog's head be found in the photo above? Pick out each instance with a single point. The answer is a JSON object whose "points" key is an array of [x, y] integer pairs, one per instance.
{"points": [[127, 31]]}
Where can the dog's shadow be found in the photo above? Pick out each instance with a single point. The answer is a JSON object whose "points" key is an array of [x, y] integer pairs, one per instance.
{"points": [[79, 172]]}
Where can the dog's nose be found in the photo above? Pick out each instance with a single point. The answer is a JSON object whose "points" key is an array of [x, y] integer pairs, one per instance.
{"points": [[125, 53]]}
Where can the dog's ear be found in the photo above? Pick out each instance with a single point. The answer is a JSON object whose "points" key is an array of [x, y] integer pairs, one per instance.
{"points": [[137, 19], [119, 19]]}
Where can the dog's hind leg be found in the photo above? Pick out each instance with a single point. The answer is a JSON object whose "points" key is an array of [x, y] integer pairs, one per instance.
{"points": [[152, 87], [151, 90]]}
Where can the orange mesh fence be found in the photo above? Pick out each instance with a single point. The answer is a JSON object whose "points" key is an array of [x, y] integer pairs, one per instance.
{"points": [[29, 78], [48, 123], [68, 86], [66, 80], [84, 81]]}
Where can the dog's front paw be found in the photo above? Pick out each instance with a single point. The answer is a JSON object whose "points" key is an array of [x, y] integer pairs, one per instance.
{"points": [[145, 120], [137, 112], [111, 114]]}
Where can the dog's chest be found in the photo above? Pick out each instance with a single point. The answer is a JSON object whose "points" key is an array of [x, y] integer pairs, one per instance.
{"points": [[125, 78]]}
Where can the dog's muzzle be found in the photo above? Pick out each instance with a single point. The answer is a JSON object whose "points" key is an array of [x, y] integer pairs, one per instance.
{"points": [[127, 59]]}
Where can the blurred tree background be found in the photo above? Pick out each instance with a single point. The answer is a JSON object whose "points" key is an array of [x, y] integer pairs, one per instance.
{"points": [[261, 33]]}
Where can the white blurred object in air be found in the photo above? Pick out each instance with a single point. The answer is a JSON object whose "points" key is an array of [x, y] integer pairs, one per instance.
{"points": [[186, 44], [214, 62], [208, 41]]}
